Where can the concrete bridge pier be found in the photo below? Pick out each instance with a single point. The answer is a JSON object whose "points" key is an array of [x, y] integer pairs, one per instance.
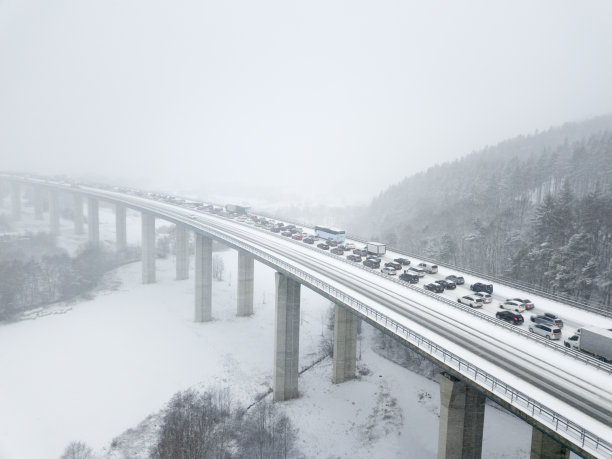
{"points": [[461, 419], [38, 203], [181, 248], [246, 265], [54, 212], [544, 447], [78, 214], [345, 345], [203, 278], [120, 228], [286, 338], [16, 201], [93, 222], [149, 251]]}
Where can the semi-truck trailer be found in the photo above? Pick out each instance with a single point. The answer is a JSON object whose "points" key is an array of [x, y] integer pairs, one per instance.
{"points": [[592, 340]]}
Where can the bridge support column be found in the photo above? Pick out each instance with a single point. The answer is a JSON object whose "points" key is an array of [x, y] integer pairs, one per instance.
{"points": [[78, 214], [286, 338], [93, 222], [38, 203], [245, 283], [345, 345], [544, 447], [149, 252], [203, 278], [461, 419], [54, 212], [16, 201], [120, 228], [182, 253]]}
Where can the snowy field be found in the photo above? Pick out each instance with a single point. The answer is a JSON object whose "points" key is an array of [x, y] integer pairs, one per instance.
{"points": [[104, 365]]}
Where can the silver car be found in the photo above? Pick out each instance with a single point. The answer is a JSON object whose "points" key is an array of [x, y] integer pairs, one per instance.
{"points": [[512, 306], [471, 300], [486, 297], [548, 331]]}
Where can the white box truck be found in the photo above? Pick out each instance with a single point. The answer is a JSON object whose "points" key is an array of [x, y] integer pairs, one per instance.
{"points": [[376, 248], [592, 340]]}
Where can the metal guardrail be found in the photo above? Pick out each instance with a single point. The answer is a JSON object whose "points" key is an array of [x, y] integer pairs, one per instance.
{"points": [[548, 343], [598, 309], [556, 422]]}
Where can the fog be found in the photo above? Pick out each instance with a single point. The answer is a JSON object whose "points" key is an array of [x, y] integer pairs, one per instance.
{"points": [[316, 101]]}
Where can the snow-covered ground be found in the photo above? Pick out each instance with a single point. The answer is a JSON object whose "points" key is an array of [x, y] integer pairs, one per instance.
{"points": [[104, 365]]}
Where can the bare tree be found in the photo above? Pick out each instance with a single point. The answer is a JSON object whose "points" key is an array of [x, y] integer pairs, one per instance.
{"points": [[204, 425], [77, 450]]}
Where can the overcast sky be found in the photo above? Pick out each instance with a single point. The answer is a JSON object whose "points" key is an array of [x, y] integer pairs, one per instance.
{"points": [[330, 98]]}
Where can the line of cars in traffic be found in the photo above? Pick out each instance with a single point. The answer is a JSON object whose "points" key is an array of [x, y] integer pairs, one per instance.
{"points": [[547, 325]]}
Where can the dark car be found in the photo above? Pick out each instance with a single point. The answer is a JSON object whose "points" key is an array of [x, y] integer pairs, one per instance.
{"points": [[394, 265], [480, 287], [448, 285], [337, 251], [371, 264], [459, 280], [275, 229], [354, 258], [510, 316], [361, 252], [297, 237], [308, 240], [411, 278], [402, 261], [286, 234], [434, 287], [332, 243], [323, 246]]}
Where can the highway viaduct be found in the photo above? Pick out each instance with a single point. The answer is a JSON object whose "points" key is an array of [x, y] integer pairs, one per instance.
{"points": [[462, 398]]}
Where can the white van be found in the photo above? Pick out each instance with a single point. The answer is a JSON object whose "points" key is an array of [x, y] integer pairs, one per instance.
{"points": [[429, 268]]}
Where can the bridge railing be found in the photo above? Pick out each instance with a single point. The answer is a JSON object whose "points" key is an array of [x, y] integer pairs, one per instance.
{"points": [[555, 421], [584, 358], [598, 308]]}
